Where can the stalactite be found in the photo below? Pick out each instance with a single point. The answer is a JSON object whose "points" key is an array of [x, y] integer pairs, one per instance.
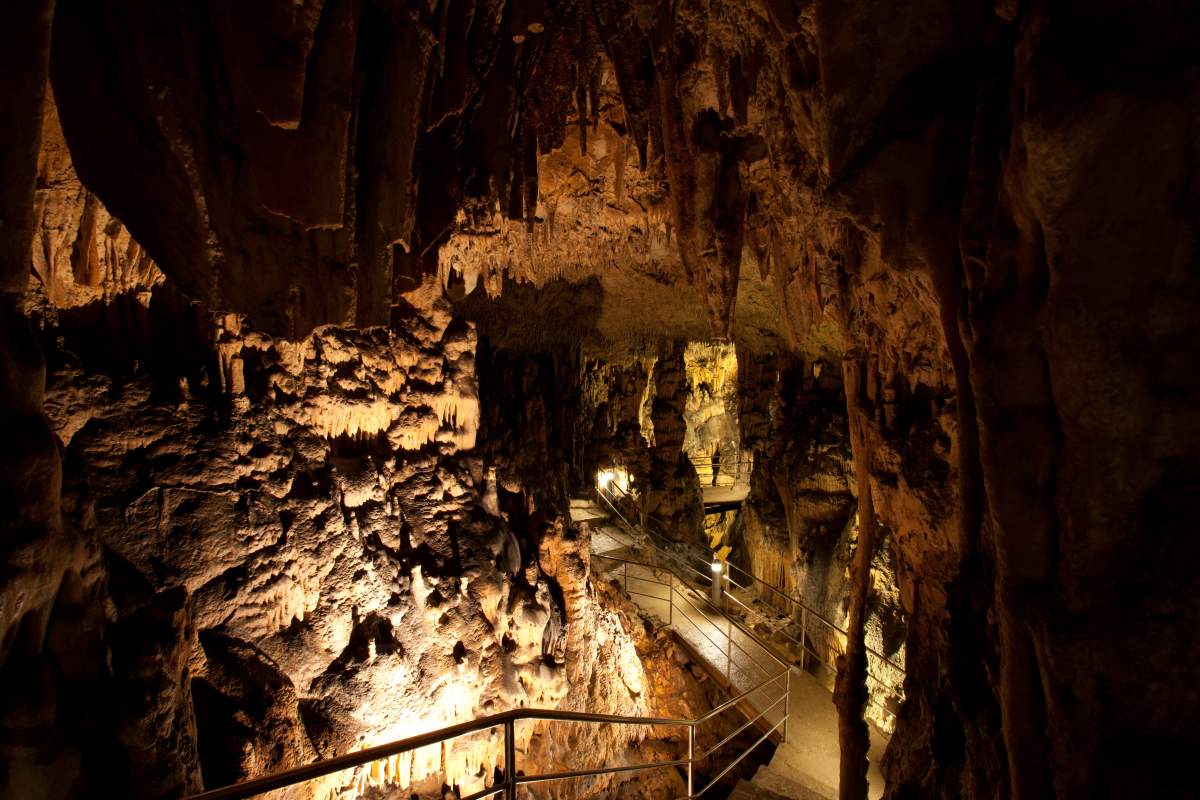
{"points": [[850, 693]]}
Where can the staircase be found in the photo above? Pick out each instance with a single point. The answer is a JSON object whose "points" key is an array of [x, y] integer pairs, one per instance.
{"points": [[762, 684], [805, 766], [747, 790]]}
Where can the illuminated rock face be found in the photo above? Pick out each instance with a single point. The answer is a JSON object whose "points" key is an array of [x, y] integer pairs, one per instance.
{"points": [[303, 548], [324, 511], [711, 412], [987, 209]]}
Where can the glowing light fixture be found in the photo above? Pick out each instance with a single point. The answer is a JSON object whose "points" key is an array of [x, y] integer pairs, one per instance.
{"points": [[613, 477], [717, 586]]}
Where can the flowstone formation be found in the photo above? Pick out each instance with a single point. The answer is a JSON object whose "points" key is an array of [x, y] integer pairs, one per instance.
{"points": [[982, 215], [295, 549], [799, 526], [711, 412], [337, 564]]}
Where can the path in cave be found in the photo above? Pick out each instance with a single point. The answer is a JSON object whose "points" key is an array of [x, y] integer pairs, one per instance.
{"points": [[803, 768], [724, 498]]}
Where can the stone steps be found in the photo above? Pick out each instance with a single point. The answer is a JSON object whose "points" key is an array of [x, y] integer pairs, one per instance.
{"points": [[795, 786], [752, 790]]}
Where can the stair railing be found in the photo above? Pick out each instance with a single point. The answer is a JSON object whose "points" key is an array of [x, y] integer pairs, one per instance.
{"points": [[683, 603], [814, 626]]}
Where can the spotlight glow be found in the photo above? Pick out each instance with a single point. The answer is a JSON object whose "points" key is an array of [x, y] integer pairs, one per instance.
{"points": [[613, 477]]}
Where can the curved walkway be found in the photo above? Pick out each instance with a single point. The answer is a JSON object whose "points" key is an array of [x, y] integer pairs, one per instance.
{"points": [[804, 766]]}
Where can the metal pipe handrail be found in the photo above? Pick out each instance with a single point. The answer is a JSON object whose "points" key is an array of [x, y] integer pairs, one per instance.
{"points": [[328, 766], [804, 647], [320, 769], [754, 579], [508, 720], [738, 760], [784, 673], [719, 611], [587, 773], [482, 793], [745, 631], [733, 642], [745, 725]]}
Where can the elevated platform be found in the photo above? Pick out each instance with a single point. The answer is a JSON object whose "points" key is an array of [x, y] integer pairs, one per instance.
{"points": [[806, 766], [724, 498]]}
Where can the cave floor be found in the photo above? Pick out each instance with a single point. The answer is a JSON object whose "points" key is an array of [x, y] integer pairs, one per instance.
{"points": [[806, 766], [721, 496]]}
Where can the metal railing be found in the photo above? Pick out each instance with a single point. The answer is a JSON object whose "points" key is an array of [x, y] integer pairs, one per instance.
{"points": [[729, 472], [819, 637], [683, 603], [748, 676]]}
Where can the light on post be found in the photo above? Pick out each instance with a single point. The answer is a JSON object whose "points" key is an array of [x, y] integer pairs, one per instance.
{"points": [[717, 587]]}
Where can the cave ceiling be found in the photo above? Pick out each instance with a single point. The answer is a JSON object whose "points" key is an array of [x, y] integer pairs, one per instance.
{"points": [[306, 164]]}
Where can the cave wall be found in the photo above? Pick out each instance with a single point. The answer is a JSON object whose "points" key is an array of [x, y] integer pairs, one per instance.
{"points": [[611, 425], [326, 545], [711, 412], [42, 557], [989, 208], [669, 491], [237, 142], [798, 528], [301, 548], [1082, 186]]}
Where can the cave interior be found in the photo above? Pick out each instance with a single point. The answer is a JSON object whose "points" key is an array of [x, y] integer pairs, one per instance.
{"points": [[371, 367]]}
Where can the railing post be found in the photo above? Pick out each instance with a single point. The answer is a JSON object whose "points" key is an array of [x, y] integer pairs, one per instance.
{"points": [[787, 702], [670, 598], [510, 760], [625, 574], [691, 758], [729, 652]]}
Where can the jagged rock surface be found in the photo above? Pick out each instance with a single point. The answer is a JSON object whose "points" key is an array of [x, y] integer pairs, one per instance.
{"points": [[990, 207]]}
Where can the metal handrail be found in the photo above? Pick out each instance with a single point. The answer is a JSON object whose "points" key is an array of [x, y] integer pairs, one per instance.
{"points": [[660, 568], [752, 578], [508, 720], [656, 537]]}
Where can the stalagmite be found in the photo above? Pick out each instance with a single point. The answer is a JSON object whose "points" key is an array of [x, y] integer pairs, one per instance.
{"points": [[850, 694], [328, 328]]}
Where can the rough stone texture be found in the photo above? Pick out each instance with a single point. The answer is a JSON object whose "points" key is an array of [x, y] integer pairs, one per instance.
{"points": [[1087, 425], [44, 625], [799, 528], [991, 205], [711, 412], [81, 253], [670, 491], [357, 569], [614, 425]]}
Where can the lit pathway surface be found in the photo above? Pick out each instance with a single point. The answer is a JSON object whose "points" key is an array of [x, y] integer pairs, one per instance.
{"points": [[725, 496], [806, 766]]}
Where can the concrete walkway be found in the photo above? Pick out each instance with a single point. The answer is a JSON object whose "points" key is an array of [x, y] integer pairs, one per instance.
{"points": [[725, 496], [804, 767], [810, 757]]}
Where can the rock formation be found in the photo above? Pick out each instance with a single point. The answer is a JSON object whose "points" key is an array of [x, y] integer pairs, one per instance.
{"points": [[800, 526], [335, 298]]}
